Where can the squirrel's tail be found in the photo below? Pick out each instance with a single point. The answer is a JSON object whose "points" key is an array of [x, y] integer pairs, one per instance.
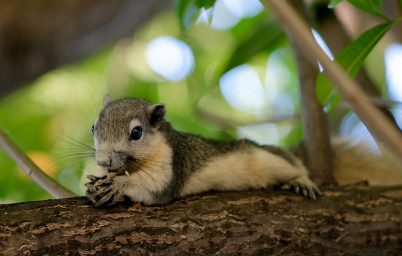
{"points": [[355, 163]]}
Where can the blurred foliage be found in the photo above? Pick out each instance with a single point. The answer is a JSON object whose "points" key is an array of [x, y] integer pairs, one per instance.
{"points": [[188, 10], [369, 6], [51, 118], [334, 3]]}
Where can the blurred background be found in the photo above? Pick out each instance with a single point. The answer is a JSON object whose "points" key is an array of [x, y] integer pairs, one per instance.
{"points": [[226, 72]]}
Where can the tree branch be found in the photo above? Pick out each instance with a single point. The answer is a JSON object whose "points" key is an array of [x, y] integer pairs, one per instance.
{"points": [[379, 126], [316, 133], [32, 170], [346, 221], [228, 123]]}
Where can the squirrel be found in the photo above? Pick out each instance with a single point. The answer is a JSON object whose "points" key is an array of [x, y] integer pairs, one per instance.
{"points": [[150, 162]]}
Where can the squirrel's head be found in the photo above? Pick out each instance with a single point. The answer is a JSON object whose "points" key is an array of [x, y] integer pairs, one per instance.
{"points": [[127, 131]]}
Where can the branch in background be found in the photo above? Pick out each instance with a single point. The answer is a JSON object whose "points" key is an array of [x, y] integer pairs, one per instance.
{"points": [[393, 10], [32, 170], [386, 103], [337, 39], [40, 35], [316, 134], [230, 124], [378, 124]]}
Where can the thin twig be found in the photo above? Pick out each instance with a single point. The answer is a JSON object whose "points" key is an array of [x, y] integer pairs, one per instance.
{"points": [[230, 124], [378, 125], [31, 169], [386, 103]]}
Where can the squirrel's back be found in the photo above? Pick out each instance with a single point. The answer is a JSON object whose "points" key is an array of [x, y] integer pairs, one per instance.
{"points": [[203, 149], [204, 164]]}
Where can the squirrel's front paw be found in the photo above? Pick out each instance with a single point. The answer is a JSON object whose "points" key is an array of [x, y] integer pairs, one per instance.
{"points": [[304, 186], [102, 190]]}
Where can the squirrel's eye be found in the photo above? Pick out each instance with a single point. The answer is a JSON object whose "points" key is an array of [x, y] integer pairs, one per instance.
{"points": [[93, 129], [136, 133]]}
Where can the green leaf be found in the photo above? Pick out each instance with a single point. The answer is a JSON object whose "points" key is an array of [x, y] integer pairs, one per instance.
{"points": [[205, 3], [351, 59], [369, 6], [186, 11], [326, 93], [264, 37], [334, 3]]}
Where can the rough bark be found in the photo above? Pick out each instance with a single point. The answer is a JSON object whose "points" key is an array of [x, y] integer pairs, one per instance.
{"points": [[316, 133], [38, 35], [345, 221]]}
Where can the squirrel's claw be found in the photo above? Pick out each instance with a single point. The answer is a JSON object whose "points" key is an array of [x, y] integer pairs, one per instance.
{"points": [[90, 187], [101, 190], [92, 178], [104, 198], [305, 187], [109, 198]]}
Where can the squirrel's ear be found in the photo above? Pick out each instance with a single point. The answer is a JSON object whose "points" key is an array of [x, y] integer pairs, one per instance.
{"points": [[157, 114], [106, 100]]}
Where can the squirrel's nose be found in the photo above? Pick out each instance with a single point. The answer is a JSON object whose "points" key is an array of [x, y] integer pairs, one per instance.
{"points": [[106, 162]]}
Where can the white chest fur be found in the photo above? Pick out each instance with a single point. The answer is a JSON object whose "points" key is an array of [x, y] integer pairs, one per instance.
{"points": [[153, 175]]}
